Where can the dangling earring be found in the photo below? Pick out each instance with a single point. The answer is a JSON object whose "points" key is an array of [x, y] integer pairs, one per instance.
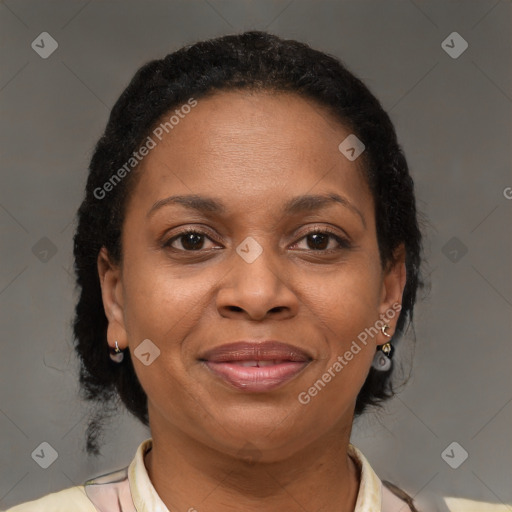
{"points": [[382, 358], [116, 354]]}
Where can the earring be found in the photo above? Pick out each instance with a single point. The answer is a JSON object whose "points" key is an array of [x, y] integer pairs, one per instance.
{"points": [[382, 358], [116, 354]]}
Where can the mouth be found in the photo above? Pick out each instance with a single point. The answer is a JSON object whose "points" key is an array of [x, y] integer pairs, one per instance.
{"points": [[256, 366]]}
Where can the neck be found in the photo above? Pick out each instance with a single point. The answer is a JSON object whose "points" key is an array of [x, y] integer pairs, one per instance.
{"points": [[190, 475]]}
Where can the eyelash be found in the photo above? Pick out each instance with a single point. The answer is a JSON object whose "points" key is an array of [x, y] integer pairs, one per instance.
{"points": [[343, 242]]}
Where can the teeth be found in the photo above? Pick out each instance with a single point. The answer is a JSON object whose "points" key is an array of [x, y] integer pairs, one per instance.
{"points": [[258, 363]]}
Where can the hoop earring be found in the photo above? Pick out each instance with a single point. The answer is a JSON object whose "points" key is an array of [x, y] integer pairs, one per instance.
{"points": [[116, 354], [384, 328]]}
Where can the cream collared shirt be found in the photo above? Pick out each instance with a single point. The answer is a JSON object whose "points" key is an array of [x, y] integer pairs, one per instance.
{"points": [[130, 490]]}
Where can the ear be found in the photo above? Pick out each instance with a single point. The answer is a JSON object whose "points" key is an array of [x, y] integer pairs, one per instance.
{"points": [[393, 284], [112, 295]]}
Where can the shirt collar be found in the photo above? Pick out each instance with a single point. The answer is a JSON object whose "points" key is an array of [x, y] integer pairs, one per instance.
{"points": [[145, 497], [369, 497]]}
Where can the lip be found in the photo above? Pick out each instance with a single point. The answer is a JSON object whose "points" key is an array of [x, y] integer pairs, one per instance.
{"points": [[282, 362], [267, 350]]}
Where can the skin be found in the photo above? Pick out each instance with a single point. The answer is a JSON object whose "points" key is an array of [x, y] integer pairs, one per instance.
{"points": [[253, 152]]}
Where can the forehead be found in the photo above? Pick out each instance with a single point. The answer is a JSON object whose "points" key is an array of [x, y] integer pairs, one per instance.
{"points": [[256, 146]]}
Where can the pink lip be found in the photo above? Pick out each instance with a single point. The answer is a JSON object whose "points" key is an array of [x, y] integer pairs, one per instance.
{"points": [[226, 362]]}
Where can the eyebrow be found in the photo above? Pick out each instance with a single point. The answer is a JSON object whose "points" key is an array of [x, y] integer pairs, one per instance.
{"points": [[299, 204]]}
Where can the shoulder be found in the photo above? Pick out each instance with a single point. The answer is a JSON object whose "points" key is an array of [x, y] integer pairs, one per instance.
{"points": [[71, 499], [374, 493], [395, 499], [464, 505]]}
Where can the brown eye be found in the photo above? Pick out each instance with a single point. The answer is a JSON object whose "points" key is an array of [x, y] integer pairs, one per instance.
{"points": [[321, 240], [318, 241], [190, 240]]}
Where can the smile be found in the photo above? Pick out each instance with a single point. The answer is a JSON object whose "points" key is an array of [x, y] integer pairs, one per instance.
{"points": [[256, 376]]}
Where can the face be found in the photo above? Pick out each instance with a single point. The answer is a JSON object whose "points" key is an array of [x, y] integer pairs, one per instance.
{"points": [[254, 261]]}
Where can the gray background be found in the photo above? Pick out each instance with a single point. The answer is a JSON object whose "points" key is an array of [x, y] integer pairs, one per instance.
{"points": [[453, 117]]}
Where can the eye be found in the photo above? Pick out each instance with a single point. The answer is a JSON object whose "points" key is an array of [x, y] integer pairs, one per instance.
{"points": [[318, 240], [189, 239], [323, 240]]}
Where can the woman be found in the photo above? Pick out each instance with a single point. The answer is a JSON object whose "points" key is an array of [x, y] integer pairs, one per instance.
{"points": [[248, 258]]}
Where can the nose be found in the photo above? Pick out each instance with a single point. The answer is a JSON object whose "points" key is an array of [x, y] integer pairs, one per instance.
{"points": [[257, 290]]}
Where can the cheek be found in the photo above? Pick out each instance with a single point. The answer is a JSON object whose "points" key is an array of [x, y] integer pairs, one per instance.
{"points": [[345, 309], [164, 306], [347, 301], [161, 302]]}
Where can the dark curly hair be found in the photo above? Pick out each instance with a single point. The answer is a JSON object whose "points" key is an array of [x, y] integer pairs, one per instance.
{"points": [[251, 61]]}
